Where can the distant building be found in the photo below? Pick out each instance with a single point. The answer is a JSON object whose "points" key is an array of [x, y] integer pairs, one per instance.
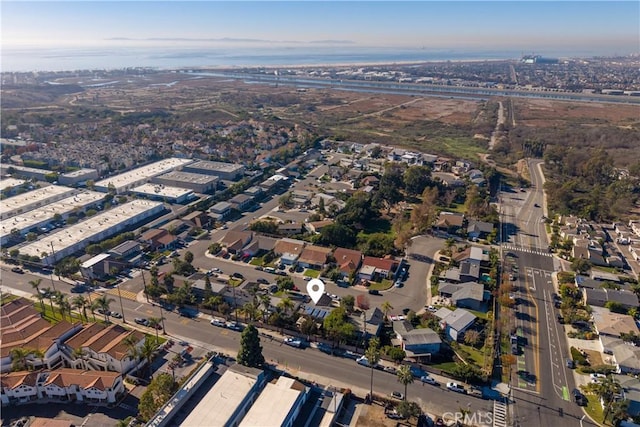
{"points": [[200, 183], [77, 177], [226, 171], [279, 404]]}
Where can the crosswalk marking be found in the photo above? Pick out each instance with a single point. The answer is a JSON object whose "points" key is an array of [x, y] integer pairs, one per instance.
{"points": [[125, 294], [499, 414], [526, 250]]}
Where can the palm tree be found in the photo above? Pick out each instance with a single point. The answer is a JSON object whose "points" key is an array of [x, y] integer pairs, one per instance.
{"points": [[214, 302], [405, 377], [154, 322], [61, 302], [19, 357], [49, 296], [35, 284], [286, 304], [80, 302], [103, 303], [606, 390], [373, 357], [386, 308], [265, 301], [147, 351]]}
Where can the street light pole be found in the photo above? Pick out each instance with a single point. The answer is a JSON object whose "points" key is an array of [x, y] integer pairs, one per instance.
{"points": [[144, 283], [53, 252], [121, 306], [162, 319]]}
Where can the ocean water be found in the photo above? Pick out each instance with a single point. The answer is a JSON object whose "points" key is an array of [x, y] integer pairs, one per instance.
{"points": [[40, 59]]}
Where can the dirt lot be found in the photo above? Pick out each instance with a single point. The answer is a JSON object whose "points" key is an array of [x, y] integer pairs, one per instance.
{"points": [[374, 417]]}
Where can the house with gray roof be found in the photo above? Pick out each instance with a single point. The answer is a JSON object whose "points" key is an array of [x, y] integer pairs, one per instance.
{"points": [[469, 295], [479, 229], [600, 297], [417, 343], [455, 323], [630, 392]]}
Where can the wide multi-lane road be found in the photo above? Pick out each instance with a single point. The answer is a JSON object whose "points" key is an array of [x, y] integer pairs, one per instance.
{"points": [[542, 398]]}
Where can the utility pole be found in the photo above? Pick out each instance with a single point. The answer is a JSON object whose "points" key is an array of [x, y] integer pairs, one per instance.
{"points": [[53, 253], [162, 319], [144, 283]]}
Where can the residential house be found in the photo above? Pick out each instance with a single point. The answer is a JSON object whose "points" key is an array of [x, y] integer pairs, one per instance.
{"points": [[19, 387], [291, 228], [600, 297], [254, 192], [472, 253], [241, 202], [126, 250], [289, 250], [22, 326], [314, 257], [317, 226], [98, 267], [374, 268], [450, 221], [455, 323], [623, 355], [479, 229], [73, 385], [104, 348], [371, 321], [613, 324], [469, 271], [220, 210], [469, 295], [370, 180], [631, 393], [418, 344], [158, 239], [258, 245], [234, 240], [347, 260], [198, 219]]}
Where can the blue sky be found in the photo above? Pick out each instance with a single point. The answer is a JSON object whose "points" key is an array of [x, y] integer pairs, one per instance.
{"points": [[613, 26]]}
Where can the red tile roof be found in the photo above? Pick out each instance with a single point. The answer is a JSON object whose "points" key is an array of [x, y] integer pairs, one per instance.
{"points": [[381, 263], [66, 377], [347, 259]]}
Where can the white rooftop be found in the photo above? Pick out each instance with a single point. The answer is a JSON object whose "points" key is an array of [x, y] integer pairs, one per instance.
{"points": [[274, 404], [220, 403], [94, 260], [37, 216], [91, 227], [140, 174], [79, 172], [216, 166], [160, 190], [10, 182], [32, 199]]}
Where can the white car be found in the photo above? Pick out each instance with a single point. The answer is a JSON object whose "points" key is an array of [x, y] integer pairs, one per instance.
{"points": [[456, 387], [597, 377], [429, 380], [293, 342], [218, 322]]}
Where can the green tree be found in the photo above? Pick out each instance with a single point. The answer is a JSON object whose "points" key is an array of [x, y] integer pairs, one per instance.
{"points": [[159, 391], [285, 283], [250, 353], [581, 265], [188, 257], [606, 389], [372, 355], [214, 248], [405, 377], [338, 235], [408, 409], [20, 356], [416, 179], [155, 323], [348, 303], [308, 327], [337, 327], [148, 351], [79, 302], [472, 337], [286, 304]]}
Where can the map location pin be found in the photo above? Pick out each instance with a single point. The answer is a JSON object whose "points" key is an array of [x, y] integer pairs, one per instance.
{"points": [[315, 289]]}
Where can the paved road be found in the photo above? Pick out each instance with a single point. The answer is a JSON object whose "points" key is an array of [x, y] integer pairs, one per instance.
{"points": [[546, 400]]}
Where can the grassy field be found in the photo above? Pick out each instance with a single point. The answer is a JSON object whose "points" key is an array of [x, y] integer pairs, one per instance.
{"points": [[475, 355], [594, 409], [311, 273], [381, 286]]}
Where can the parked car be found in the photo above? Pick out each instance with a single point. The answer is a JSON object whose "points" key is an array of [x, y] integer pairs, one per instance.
{"points": [[597, 377], [571, 364], [116, 315], [293, 342], [390, 369], [141, 321], [374, 292], [234, 326], [578, 397], [456, 387], [237, 275], [17, 270], [325, 348], [216, 321], [397, 395], [262, 280], [429, 380]]}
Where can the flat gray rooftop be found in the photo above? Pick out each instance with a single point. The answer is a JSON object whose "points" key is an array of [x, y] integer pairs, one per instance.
{"points": [[182, 176], [142, 173]]}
